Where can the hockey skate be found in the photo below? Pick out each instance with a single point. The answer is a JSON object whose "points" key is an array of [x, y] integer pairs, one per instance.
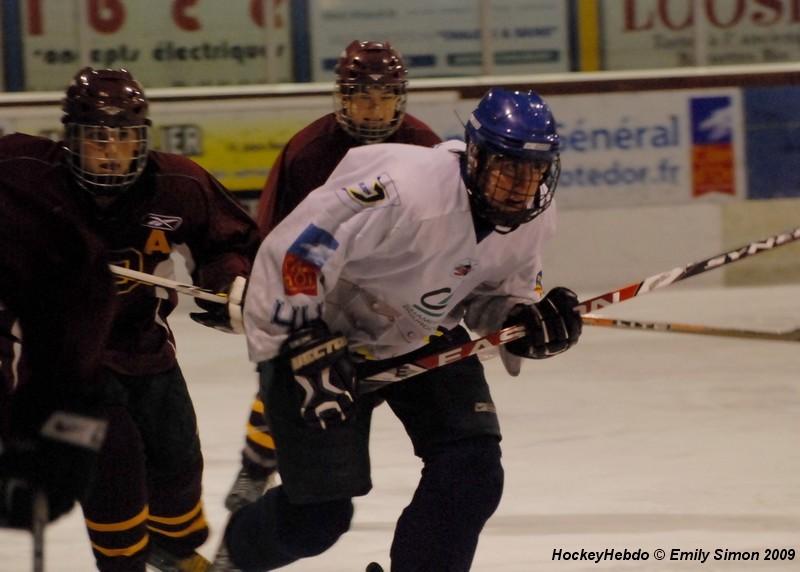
{"points": [[163, 561], [247, 488], [222, 561]]}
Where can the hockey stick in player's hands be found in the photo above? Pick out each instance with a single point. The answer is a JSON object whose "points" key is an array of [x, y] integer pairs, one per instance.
{"points": [[679, 328], [487, 344], [180, 287], [683, 272], [39, 519]]}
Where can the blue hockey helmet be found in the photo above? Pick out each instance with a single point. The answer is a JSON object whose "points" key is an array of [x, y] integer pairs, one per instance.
{"points": [[512, 164]]}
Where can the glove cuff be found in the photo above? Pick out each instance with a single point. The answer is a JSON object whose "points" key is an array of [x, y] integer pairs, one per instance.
{"points": [[235, 304], [73, 429]]}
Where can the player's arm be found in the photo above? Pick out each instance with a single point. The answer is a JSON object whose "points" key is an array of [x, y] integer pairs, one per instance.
{"points": [[63, 300], [269, 202], [297, 265], [223, 244], [552, 323], [300, 261]]}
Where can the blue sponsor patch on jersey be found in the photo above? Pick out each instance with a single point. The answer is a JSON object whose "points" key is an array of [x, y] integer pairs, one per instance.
{"points": [[314, 246]]}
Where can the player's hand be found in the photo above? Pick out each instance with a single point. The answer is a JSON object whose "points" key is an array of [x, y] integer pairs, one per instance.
{"points": [[552, 325], [322, 369], [226, 317], [59, 462]]}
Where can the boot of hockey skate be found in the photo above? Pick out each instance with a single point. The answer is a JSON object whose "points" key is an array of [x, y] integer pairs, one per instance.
{"points": [[163, 561], [222, 561], [246, 488]]}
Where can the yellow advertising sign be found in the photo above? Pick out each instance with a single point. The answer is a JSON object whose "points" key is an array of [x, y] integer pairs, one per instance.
{"points": [[237, 144], [235, 141]]}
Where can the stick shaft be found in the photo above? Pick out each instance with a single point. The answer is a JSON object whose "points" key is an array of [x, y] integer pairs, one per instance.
{"points": [[180, 287], [483, 345], [38, 525], [664, 279], [786, 336]]}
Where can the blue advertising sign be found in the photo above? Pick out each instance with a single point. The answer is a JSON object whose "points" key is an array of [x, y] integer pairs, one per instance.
{"points": [[773, 141]]}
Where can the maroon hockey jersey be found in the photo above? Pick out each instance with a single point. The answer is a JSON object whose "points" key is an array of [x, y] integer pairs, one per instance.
{"points": [[310, 157], [56, 304], [174, 204]]}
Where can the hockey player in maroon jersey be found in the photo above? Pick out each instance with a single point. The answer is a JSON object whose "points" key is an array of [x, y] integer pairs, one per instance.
{"points": [[56, 300], [143, 204], [370, 103]]}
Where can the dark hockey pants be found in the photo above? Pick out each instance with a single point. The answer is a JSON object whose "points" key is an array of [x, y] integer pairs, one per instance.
{"points": [[460, 489], [149, 474], [450, 418]]}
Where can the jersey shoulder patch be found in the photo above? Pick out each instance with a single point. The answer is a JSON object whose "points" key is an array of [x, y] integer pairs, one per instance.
{"points": [[377, 192]]}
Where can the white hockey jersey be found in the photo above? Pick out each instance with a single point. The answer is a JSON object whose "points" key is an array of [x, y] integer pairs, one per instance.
{"points": [[386, 252]]}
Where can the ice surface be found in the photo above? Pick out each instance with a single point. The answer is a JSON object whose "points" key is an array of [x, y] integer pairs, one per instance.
{"points": [[631, 440]]}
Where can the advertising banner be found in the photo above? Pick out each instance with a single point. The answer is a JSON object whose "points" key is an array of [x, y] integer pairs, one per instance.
{"points": [[44, 121], [646, 34], [773, 141], [631, 149], [164, 43], [237, 141], [237, 145], [656, 148], [443, 38], [626, 149]]}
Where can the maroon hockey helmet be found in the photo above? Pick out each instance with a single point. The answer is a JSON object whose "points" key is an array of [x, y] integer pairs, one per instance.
{"points": [[105, 97], [370, 63], [106, 129], [364, 68]]}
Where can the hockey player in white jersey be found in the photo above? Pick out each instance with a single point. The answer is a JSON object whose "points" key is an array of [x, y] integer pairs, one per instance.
{"points": [[384, 260]]}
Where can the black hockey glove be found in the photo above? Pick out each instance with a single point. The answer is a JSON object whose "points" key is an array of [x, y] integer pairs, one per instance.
{"points": [[59, 461], [321, 365], [225, 317], [553, 325]]}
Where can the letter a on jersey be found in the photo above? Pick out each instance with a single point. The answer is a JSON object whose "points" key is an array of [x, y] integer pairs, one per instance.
{"points": [[157, 242]]}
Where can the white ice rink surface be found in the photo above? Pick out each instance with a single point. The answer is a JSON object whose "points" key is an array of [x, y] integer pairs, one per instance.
{"points": [[632, 440]]}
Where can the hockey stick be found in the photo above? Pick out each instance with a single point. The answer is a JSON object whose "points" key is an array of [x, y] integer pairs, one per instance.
{"points": [[153, 280], [784, 336], [39, 517], [683, 272], [395, 373]]}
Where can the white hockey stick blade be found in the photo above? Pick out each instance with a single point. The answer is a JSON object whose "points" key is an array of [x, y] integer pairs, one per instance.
{"points": [[180, 287]]}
